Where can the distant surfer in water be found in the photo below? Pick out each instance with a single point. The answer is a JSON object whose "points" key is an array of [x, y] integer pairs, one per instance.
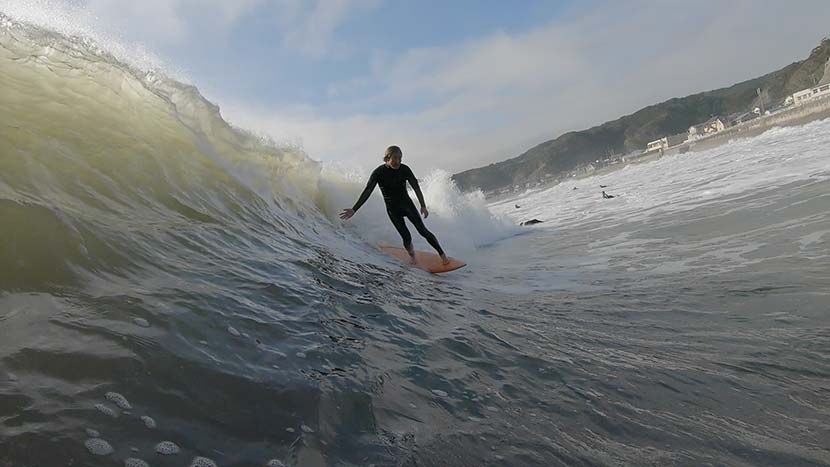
{"points": [[392, 177], [606, 195]]}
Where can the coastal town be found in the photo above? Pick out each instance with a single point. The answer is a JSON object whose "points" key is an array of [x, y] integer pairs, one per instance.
{"points": [[717, 124], [792, 96], [800, 107]]}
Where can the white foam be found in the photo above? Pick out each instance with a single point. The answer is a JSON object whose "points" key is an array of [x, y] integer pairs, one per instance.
{"points": [[92, 433], [72, 19], [148, 421], [141, 322], [202, 462], [275, 463], [167, 448], [118, 400], [106, 410], [98, 447], [679, 182], [133, 462]]}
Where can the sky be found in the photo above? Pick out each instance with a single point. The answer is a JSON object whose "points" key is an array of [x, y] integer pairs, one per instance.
{"points": [[457, 84]]}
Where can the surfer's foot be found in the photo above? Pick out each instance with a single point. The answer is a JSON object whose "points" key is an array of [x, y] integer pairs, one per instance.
{"points": [[444, 260]]}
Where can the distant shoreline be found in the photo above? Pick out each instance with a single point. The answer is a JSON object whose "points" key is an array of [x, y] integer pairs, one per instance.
{"points": [[792, 116]]}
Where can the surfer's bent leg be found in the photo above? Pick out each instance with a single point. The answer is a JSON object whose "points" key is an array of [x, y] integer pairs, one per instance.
{"points": [[396, 216], [416, 220]]}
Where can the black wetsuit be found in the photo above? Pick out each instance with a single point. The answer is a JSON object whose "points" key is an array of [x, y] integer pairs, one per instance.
{"points": [[398, 203]]}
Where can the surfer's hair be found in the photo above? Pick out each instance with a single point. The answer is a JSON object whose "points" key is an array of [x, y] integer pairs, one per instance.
{"points": [[391, 151]]}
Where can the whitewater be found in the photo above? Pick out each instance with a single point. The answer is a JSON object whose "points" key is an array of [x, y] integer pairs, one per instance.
{"points": [[176, 290]]}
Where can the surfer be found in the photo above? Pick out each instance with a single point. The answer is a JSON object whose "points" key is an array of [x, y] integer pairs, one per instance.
{"points": [[392, 177], [606, 195]]}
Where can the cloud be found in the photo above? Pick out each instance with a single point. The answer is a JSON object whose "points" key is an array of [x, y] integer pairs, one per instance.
{"points": [[491, 98], [308, 27]]}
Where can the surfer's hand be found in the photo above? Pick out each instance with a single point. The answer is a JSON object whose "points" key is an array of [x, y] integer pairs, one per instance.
{"points": [[424, 212], [347, 213]]}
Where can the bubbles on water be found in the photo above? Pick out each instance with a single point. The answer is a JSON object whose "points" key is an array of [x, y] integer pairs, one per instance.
{"points": [[133, 462], [148, 422], [232, 330], [301, 355], [92, 433], [98, 447], [118, 400], [108, 411], [141, 322], [202, 462], [167, 448]]}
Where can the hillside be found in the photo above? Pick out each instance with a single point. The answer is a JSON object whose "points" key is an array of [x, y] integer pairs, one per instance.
{"points": [[632, 132]]}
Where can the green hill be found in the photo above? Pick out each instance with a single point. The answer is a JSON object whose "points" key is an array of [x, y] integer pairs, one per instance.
{"points": [[632, 132]]}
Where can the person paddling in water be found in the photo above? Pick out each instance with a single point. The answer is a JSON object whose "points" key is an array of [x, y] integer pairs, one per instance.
{"points": [[392, 177]]}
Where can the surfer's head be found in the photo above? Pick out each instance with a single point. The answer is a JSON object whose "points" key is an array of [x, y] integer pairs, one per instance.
{"points": [[393, 156]]}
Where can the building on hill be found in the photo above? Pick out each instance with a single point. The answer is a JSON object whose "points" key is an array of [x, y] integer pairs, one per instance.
{"points": [[667, 142], [809, 94], [657, 145], [801, 97], [711, 126]]}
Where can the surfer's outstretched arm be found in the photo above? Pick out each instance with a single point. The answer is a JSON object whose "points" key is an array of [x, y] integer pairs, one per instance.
{"points": [[370, 186], [413, 182]]}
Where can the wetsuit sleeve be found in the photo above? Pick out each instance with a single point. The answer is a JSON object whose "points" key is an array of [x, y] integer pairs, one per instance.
{"points": [[410, 177], [370, 186]]}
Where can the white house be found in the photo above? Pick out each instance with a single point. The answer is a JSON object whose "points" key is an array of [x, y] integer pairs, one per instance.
{"points": [[656, 145], [806, 95], [713, 125]]}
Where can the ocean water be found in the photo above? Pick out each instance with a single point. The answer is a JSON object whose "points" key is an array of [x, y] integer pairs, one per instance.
{"points": [[178, 291]]}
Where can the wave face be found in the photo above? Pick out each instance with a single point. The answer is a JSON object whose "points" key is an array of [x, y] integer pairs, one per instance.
{"points": [[151, 250], [168, 278]]}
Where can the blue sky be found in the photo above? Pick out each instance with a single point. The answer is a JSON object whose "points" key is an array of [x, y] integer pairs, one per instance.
{"points": [[457, 84]]}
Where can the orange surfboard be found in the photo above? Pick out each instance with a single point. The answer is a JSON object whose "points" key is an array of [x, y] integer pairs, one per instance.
{"points": [[429, 262]]}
